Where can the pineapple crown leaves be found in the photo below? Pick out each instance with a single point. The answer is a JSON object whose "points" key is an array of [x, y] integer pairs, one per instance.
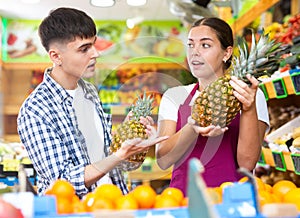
{"points": [[262, 59], [142, 107]]}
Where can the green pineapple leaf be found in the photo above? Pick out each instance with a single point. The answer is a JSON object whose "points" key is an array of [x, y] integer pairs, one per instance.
{"points": [[261, 59]]}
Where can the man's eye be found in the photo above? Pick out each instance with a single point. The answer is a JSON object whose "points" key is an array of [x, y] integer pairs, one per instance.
{"points": [[84, 49]]}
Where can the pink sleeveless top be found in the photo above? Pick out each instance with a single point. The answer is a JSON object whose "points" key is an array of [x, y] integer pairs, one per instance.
{"points": [[217, 154]]}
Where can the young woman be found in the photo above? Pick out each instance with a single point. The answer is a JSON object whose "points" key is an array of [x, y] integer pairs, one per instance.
{"points": [[221, 150]]}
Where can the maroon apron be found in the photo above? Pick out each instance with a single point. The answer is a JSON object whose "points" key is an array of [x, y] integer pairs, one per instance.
{"points": [[217, 154]]}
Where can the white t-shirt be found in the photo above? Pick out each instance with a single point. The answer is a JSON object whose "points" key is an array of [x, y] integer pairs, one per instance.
{"points": [[89, 124], [174, 97]]}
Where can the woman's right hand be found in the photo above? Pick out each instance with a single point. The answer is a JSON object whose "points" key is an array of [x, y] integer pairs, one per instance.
{"points": [[209, 131]]}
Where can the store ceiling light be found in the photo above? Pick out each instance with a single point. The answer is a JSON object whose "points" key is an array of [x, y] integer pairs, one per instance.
{"points": [[102, 3], [31, 1], [132, 22], [136, 3]]}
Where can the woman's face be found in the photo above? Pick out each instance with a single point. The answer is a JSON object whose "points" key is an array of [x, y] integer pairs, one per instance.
{"points": [[205, 54]]}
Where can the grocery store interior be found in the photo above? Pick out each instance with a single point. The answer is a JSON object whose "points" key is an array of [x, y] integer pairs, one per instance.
{"points": [[142, 46]]}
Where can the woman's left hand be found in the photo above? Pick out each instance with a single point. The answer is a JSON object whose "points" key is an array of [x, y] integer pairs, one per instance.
{"points": [[245, 93], [208, 131]]}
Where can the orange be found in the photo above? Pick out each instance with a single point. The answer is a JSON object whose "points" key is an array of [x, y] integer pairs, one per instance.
{"points": [[281, 187], [215, 195], [175, 193], [293, 196], [109, 191], [48, 191], [62, 189], [268, 188], [225, 184], [102, 203], [88, 201], [185, 202], [127, 202], [79, 207], [264, 197], [166, 202], [275, 198], [259, 183], [243, 179], [219, 190], [64, 205], [145, 196]]}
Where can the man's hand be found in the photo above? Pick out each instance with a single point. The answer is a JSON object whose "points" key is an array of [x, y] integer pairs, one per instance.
{"points": [[138, 145]]}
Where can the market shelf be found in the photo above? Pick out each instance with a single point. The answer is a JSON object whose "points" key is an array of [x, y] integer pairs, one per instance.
{"points": [[281, 160], [147, 175], [286, 84]]}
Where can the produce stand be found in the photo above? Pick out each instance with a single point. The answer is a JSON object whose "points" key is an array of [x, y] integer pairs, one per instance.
{"points": [[239, 200]]}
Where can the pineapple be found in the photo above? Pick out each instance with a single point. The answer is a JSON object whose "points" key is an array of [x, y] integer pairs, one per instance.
{"points": [[216, 104], [133, 129]]}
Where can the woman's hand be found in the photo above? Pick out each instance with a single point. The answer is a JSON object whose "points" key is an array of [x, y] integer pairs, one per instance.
{"points": [[209, 131], [245, 93], [144, 120]]}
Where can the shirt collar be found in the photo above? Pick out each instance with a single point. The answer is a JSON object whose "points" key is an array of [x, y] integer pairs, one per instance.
{"points": [[60, 94]]}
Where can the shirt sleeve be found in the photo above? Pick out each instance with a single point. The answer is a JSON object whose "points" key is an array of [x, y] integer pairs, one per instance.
{"points": [[170, 102], [262, 108], [50, 153]]}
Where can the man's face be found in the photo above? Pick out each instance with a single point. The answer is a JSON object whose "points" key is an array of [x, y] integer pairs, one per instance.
{"points": [[79, 57]]}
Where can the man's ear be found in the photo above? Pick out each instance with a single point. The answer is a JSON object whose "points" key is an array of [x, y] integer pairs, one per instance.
{"points": [[55, 57]]}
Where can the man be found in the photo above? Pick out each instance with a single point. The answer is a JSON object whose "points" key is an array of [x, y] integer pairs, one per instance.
{"points": [[62, 123]]}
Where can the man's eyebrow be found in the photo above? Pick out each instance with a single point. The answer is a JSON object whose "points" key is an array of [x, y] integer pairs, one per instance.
{"points": [[87, 44]]}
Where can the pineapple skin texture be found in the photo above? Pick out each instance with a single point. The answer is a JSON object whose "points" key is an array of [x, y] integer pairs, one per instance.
{"points": [[129, 130], [216, 105]]}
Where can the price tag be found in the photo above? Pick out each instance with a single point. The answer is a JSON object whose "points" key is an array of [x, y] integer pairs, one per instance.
{"points": [[296, 162], [296, 82], [279, 161], [279, 88], [262, 160], [107, 109], [264, 89]]}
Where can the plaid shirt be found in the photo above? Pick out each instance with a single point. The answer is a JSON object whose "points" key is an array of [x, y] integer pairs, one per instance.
{"points": [[48, 128]]}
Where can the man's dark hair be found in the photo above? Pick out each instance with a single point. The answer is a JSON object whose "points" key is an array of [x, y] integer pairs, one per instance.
{"points": [[64, 25]]}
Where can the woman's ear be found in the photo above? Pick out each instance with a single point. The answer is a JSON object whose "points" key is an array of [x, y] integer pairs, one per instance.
{"points": [[228, 53]]}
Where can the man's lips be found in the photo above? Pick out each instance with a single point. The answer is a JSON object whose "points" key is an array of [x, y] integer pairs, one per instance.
{"points": [[92, 64]]}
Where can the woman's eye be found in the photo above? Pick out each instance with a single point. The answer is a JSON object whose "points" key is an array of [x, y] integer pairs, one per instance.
{"points": [[190, 45], [204, 45]]}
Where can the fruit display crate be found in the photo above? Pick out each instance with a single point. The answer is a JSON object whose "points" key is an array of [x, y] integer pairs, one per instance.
{"points": [[279, 156], [287, 83], [238, 200], [10, 178]]}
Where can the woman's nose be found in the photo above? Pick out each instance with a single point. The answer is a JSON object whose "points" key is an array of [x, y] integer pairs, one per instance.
{"points": [[195, 51]]}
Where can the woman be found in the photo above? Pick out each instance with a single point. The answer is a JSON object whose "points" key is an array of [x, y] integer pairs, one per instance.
{"points": [[221, 150]]}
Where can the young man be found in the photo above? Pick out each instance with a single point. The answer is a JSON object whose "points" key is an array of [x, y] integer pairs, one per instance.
{"points": [[62, 123]]}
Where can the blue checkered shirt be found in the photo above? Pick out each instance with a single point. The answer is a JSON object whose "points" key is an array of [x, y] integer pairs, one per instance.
{"points": [[48, 128]]}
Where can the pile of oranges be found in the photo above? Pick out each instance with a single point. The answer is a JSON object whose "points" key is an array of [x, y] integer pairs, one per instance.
{"points": [[110, 197], [283, 191]]}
